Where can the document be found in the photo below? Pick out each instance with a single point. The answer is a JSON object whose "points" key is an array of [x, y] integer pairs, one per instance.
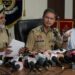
{"points": [[15, 46]]}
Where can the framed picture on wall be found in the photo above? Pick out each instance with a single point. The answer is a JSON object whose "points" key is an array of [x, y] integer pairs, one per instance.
{"points": [[56, 4], [65, 25]]}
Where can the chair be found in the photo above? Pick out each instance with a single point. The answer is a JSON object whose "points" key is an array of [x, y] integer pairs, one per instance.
{"points": [[23, 27], [65, 25]]}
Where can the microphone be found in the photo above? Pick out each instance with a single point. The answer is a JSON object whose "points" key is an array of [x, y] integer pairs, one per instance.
{"points": [[55, 32]]}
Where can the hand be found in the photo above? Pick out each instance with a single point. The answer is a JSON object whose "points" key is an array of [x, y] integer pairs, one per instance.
{"points": [[8, 51], [42, 50], [22, 50], [68, 34], [60, 55], [34, 53]]}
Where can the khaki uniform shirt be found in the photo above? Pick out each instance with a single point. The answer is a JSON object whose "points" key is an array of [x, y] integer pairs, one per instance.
{"points": [[39, 40], [3, 38]]}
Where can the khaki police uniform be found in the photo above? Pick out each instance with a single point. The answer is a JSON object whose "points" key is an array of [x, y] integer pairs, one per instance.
{"points": [[3, 38], [38, 40], [3, 32]]}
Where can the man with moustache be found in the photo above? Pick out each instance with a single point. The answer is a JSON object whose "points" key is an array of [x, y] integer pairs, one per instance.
{"points": [[44, 37]]}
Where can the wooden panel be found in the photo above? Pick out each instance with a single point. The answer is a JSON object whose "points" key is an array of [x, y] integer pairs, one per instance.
{"points": [[58, 6], [73, 9]]}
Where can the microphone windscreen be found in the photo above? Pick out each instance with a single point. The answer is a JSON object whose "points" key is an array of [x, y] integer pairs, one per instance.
{"points": [[19, 65]]}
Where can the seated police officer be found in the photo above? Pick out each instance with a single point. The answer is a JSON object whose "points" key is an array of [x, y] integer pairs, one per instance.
{"points": [[44, 37], [4, 36], [4, 39]]}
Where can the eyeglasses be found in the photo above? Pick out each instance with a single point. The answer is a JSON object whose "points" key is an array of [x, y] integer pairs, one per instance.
{"points": [[49, 18]]}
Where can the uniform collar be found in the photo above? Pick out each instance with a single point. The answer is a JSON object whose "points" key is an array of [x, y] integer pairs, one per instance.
{"points": [[42, 29]]}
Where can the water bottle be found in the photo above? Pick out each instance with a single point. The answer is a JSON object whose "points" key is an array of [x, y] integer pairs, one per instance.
{"points": [[20, 58], [73, 66]]}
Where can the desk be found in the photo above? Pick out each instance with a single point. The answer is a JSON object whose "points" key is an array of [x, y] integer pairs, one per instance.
{"points": [[51, 71], [4, 71]]}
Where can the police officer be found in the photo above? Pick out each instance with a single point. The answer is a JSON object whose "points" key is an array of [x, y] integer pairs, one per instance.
{"points": [[4, 39], [44, 37], [3, 33]]}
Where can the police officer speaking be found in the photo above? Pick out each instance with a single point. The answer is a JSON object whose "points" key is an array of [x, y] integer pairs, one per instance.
{"points": [[44, 37]]}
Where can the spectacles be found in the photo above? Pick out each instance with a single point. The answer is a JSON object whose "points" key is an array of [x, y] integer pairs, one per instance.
{"points": [[49, 17]]}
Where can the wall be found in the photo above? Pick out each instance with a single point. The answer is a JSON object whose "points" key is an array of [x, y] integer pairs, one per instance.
{"points": [[58, 6], [34, 8], [68, 9]]}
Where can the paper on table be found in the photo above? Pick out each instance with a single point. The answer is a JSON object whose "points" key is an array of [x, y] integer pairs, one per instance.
{"points": [[15, 46]]}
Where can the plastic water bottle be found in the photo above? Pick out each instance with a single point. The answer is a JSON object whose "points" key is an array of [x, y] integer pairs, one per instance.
{"points": [[20, 57], [73, 66]]}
